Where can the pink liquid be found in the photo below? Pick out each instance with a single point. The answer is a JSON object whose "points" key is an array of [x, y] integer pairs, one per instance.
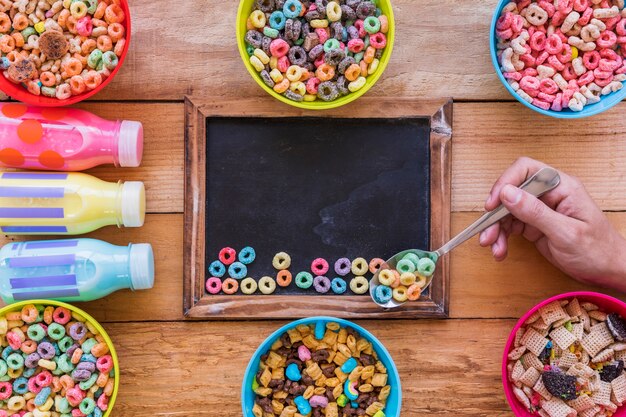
{"points": [[63, 139]]}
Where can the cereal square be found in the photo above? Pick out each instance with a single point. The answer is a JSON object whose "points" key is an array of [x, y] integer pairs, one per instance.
{"points": [[552, 312]]}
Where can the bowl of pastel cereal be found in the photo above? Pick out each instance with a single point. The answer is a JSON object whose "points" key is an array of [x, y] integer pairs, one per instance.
{"points": [[563, 59], [55, 358], [566, 356], [321, 366], [60, 53], [315, 54]]}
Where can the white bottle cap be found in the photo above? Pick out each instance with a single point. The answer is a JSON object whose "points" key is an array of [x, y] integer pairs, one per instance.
{"points": [[141, 266], [133, 204], [130, 145]]}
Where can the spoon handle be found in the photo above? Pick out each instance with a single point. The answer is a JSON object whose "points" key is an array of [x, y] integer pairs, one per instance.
{"points": [[543, 181]]}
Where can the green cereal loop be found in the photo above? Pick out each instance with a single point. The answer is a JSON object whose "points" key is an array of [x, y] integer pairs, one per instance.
{"points": [[109, 59], [36, 332], [270, 32], [94, 57], [426, 267], [92, 6], [3, 367], [85, 385], [378, 12], [250, 50], [331, 44], [65, 364], [56, 331], [49, 91], [100, 65], [405, 265], [299, 42], [15, 361], [88, 345], [87, 405], [65, 343], [62, 405], [359, 57], [413, 257], [5, 378], [371, 25], [304, 280], [29, 31]]}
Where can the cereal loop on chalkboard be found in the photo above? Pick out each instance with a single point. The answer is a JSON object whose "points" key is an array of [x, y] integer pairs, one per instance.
{"points": [[213, 285], [319, 266], [338, 285], [237, 270], [267, 285], [248, 286], [283, 278], [247, 255], [321, 284], [359, 285], [304, 280], [281, 261], [375, 264], [342, 266], [360, 267], [227, 256], [217, 269], [230, 286]]}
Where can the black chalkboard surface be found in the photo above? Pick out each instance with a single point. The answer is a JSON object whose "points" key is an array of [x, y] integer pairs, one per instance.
{"points": [[364, 180], [316, 187]]}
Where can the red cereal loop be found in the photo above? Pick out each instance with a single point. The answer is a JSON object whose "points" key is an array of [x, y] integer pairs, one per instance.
{"points": [[227, 255], [319, 266], [61, 315]]}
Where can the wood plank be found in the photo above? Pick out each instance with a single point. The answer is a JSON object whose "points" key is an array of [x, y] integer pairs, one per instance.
{"points": [[443, 365], [166, 62], [480, 287], [164, 301], [488, 137]]}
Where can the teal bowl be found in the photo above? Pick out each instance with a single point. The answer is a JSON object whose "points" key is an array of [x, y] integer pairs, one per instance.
{"points": [[605, 103], [392, 408]]}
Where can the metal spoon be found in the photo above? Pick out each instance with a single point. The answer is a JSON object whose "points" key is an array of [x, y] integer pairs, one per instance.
{"points": [[543, 181]]}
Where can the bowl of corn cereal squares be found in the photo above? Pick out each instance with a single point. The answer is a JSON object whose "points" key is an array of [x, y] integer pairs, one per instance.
{"points": [[566, 356], [321, 367], [60, 52], [55, 360], [562, 58], [315, 54]]}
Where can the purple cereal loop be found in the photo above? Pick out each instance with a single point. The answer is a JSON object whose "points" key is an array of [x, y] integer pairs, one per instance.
{"points": [[321, 284], [46, 350], [343, 266], [32, 360], [318, 401], [77, 331], [80, 375], [87, 366]]}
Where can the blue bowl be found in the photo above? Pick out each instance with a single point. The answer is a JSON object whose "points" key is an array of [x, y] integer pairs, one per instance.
{"points": [[392, 408], [605, 103]]}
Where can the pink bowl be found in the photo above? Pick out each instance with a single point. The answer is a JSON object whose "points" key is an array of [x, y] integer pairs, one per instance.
{"points": [[605, 302]]}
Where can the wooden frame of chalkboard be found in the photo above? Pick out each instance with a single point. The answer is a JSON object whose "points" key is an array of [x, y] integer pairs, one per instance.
{"points": [[197, 304]]}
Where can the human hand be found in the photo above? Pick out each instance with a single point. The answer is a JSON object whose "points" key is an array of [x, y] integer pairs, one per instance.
{"points": [[565, 224]]}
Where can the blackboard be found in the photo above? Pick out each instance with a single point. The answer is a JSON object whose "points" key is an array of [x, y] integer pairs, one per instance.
{"points": [[340, 185], [316, 187]]}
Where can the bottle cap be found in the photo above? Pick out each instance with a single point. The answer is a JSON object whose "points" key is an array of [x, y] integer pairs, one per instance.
{"points": [[141, 266], [133, 204], [130, 145]]}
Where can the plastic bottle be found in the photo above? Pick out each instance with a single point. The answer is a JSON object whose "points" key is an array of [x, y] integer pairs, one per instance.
{"points": [[72, 270], [65, 139], [67, 203]]}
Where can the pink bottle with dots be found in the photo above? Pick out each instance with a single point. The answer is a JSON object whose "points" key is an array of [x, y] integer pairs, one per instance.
{"points": [[65, 139]]}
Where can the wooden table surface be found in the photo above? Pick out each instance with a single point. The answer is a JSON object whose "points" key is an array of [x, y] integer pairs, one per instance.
{"points": [[170, 366]]}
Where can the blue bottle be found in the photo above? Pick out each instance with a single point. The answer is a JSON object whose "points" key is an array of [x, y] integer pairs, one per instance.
{"points": [[73, 269]]}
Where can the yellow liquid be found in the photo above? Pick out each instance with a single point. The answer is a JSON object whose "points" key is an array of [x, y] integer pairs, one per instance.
{"points": [[85, 203]]}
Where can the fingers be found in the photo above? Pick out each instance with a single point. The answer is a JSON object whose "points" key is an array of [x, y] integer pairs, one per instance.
{"points": [[534, 212], [489, 236], [500, 248], [515, 174]]}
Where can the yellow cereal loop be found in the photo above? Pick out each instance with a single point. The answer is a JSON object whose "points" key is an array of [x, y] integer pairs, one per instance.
{"points": [[257, 64], [267, 285], [310, 97], [258, 19], [386, 277], [294, 73], [319, 23], [360, 267], [298, 87], [373, 66], [248, 286], [357, 84], [399, 293], [39, 27], [333, 11], [407, 279], [359, 285], [260, 53], [281, 261], [275, 74]]}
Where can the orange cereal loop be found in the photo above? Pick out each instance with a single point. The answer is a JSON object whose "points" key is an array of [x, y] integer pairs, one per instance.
{"points": [[353, 72], [47, 314], [88, 46], [363, 66], [30, 131], [71, 25], [7, 43], [325, 72], [119, 47], [29, 313], [63, 16], [11, 157], [28, 346], [116, 31], [413, 292], [283, 278], [14, 110], [5, 22], [249, 25], [230, 286], [82, 59], [77, 85], [54, 113], [19, 39], [51, 159], [92, 80], [48, 79], [20, 21], [73, 67], [114, 14], [104, 43]]}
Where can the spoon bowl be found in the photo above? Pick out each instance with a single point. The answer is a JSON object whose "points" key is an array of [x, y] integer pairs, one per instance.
{"points": [[543, 181]]}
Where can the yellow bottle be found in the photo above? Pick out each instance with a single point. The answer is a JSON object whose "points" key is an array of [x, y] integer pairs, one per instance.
{"points": [[67, 203]]}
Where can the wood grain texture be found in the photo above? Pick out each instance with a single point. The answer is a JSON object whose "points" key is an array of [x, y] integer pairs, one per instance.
{"points": [[441, 50], [446, 368], [198, 304]]}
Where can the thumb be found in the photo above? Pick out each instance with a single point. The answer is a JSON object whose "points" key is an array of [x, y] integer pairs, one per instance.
{"points": [[532, 211]]}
